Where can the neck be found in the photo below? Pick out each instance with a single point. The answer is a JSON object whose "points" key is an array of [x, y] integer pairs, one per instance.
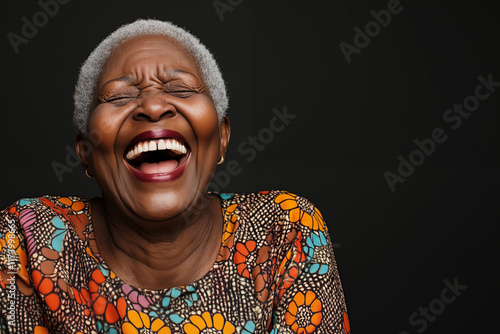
{"points": [[159, 254]]}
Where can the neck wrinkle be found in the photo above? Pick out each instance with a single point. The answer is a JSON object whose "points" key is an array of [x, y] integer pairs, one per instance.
{"points": [[167, 250]]}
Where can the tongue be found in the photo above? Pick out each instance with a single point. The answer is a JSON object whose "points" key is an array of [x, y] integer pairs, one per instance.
{"points": [[158, 167]]}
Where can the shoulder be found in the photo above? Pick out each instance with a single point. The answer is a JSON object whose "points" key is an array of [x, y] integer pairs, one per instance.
{"points": [[48, 202], [281, 205], [26, 212], [262, 196], [21, 210]]}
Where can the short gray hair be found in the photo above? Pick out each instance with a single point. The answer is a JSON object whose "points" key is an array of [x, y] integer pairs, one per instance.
{"points": [[91, 69]]}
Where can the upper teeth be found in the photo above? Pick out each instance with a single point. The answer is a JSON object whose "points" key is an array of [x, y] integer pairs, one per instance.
{"points": [[156, 145]]}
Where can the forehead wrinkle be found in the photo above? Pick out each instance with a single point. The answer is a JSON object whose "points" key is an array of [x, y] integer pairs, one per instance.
{"points": [[163, 74], [160, 71], [147, 75]]}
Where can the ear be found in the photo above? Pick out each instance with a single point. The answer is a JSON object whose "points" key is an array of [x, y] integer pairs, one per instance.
{"points": [[83, 149], [225, 133]]}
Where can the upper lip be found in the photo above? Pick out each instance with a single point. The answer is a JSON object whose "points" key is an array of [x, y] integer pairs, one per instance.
{"points": [[157, 134]]}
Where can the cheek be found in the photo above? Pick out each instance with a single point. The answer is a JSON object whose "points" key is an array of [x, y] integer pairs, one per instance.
{"points": [[104, 124], [205, 124]]}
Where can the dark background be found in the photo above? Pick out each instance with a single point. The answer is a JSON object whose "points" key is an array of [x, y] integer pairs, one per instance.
{"points": [[394, 249]]}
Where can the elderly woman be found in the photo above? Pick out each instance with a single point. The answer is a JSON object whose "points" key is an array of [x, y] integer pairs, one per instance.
{"points": [[158, 253]]}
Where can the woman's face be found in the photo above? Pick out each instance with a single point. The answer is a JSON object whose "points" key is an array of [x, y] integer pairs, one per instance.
{"points": [[151, 97]]}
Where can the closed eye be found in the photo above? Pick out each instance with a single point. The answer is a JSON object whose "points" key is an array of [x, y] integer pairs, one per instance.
{"points": [[182, 89], [119, 98], [122, 99], [182, 93]]}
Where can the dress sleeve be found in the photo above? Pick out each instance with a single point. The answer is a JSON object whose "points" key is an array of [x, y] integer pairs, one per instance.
{"points": [[309, 296], [20, 310]]}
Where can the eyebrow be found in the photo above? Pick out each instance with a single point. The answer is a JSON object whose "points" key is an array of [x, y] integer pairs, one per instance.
{"points": [[124, 78], [129, 79]]}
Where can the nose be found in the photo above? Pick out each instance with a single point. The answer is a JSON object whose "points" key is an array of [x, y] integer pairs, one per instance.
{"points": [[154, 107]]}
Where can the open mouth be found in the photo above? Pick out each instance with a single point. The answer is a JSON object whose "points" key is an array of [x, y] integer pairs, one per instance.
{"points": [[158, 155]]}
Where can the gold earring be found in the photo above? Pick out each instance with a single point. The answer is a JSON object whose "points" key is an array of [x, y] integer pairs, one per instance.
{"points": [[221, 160], [87, 173]]}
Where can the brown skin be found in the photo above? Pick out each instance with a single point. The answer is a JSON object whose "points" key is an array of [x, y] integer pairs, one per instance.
{"points": [[155, 235]]}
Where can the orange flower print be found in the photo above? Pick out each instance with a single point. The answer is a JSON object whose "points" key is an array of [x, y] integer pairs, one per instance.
{"points": [[228, 236], [301, 210], [263, 272], [45, 287], [100, 304], [216, 324], [75, 206], [256, 264], [140, 323], [92, 299], [241, 256], [304, 313]]}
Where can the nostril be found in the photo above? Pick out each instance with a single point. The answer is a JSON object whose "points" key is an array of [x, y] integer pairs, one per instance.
{"points": [[141, 115], [167, 113], [152, 117], [151, 111]]}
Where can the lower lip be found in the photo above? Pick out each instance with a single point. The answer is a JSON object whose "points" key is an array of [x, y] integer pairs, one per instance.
{"points": [[160, 177]]}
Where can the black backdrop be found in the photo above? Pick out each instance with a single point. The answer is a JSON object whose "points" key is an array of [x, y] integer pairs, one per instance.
{"points": [[398, 250]]}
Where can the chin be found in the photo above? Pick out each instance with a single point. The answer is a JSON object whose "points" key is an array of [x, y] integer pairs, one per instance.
{"points": [[160, 206]]}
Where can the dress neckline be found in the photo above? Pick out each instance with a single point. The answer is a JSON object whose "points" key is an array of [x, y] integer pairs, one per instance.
{"points": [[109, 274]]}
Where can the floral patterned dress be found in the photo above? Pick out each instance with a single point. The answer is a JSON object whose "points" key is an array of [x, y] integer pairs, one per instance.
{"points": [[275, 273]]}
